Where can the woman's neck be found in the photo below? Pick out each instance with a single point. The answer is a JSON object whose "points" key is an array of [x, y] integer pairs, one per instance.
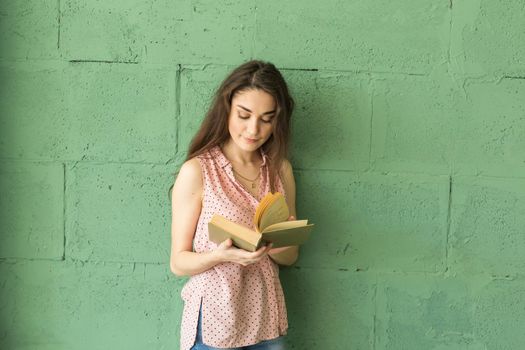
{"points": [[239, 156]]}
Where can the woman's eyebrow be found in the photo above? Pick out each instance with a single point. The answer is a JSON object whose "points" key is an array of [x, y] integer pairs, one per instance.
{"points": [[265, 113]]}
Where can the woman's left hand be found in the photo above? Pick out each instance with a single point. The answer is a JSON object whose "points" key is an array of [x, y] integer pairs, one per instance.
{"points": [[279, 250]]}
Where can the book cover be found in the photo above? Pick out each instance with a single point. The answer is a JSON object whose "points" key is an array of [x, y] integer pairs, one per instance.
{"points": [[271, 225]]}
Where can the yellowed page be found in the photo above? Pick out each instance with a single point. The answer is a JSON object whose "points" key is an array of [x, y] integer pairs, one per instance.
{"points": [[285, 224], [275, 212], [261, 208]]}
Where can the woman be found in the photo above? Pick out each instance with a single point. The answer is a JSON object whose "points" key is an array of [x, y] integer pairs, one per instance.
{"points": [[234, 299]]}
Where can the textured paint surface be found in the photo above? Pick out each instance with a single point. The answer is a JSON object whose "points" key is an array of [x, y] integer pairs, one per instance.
{"points": [[157, 31], [88, 111], [320, 96], [408, 143], [76, 305], [131, 224], [369, 229], [381, 35], [32, 228], [489, 218]]}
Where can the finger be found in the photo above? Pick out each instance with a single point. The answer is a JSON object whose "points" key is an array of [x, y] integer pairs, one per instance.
{"points": [[268, 247], [291, 218], [258, 253], [261, 250], [226, 244]]}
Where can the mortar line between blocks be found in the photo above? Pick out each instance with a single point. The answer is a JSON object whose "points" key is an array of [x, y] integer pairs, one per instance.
{"points": [[450, 35], [374, 326], [449, 213], [371, 125], [355, 71], [254, 38], [101, 61], [178, 94], [64, 211], [58, 19], [518, 77]]}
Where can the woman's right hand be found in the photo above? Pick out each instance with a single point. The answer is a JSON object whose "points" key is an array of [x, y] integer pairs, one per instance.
{"points": [[226, 252]]}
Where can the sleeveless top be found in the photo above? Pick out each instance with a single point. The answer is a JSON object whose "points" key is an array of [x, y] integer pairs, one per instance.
{"points": [[241, 305]]}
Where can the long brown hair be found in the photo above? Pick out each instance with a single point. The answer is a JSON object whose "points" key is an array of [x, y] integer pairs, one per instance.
{"points": [[258, 75]]}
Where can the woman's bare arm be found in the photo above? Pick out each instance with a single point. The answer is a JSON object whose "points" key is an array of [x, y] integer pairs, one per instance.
{"points": [[186, 208]]}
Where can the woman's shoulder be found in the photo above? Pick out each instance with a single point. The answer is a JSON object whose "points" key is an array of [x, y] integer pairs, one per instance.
{"points": [[188, 184], [190, 172], [286, 167], [286, 174]]}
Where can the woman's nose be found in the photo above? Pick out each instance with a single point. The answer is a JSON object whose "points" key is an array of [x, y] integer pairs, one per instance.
{"points": [[253, 127]]}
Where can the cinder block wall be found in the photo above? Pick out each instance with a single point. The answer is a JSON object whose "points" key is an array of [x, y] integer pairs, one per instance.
{"points": [[408, 148]]}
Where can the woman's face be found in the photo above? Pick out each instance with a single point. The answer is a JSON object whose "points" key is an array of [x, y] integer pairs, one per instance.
{"points": [[251, 118]]}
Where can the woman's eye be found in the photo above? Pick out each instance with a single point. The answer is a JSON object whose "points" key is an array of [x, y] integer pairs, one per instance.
{"points": [[244, 116], [266, 120]]}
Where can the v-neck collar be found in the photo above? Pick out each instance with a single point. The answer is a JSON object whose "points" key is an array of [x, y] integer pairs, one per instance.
{"points": [[225, 163], [222, 161]]}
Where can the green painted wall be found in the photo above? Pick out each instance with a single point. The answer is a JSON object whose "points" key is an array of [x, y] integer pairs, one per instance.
{"points": [[409, 151]]}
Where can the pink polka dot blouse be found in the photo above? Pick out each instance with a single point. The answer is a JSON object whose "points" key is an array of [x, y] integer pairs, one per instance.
{"points": [[241, 305]]}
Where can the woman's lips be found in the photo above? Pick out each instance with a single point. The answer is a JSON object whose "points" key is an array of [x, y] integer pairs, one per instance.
{"points": [[250, 140]]}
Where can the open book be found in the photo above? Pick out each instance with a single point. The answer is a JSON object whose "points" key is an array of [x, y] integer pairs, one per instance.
{"points": [[270, 224]]}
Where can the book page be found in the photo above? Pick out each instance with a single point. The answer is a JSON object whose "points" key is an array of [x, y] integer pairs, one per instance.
{"points": [[261, 208], [276, 211], [285, 225], [267, 199]]}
